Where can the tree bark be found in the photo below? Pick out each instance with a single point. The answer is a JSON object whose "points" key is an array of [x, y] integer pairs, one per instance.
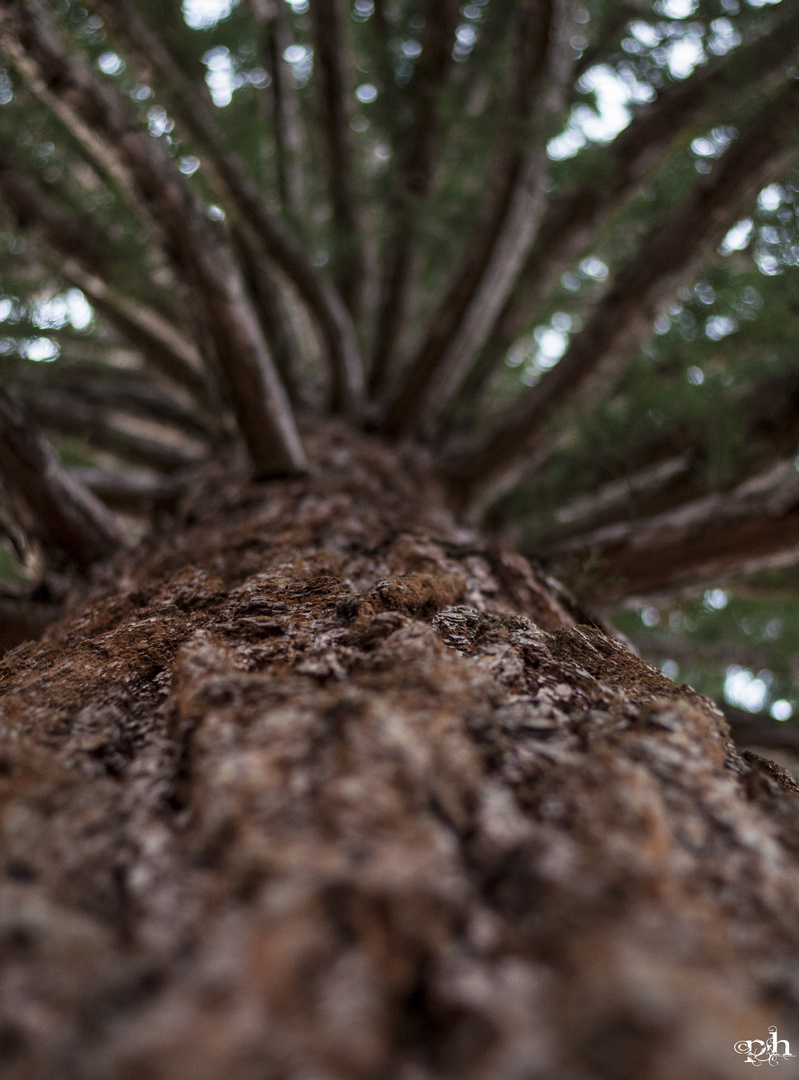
{"points": [[320, 782]]}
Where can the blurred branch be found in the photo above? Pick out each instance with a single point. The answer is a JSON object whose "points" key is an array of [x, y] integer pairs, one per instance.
{"points": [[687, 651], [23, 618], [714, 538], [418, 152], [270, 18], [270, 306], [98, 116], [759, 729], [574, 219], [129, 492], [670, 255], [79, 254], [71, 414], [126, 393], [331, 65], [509, 217], [256, 223], [58, 511]]}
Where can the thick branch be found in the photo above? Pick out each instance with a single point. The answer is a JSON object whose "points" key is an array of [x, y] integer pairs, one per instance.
{"points": [[334, 132], [669, 256], [87, 103], [574, 219], [514, 203], [228, 178], [412, 183], [666, 460], [270, 307], [162, 346], [619, 494], [689, 653], [718, 537], [59, 511]]}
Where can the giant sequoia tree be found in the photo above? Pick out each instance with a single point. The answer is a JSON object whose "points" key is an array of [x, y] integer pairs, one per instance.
{"points": [[309, 774]]}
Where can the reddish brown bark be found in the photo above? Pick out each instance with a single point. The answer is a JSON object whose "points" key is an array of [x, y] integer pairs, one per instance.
{"points": [[318, 782]]}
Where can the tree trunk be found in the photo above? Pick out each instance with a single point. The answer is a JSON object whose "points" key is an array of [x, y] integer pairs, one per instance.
{"points": [[319, 783]]}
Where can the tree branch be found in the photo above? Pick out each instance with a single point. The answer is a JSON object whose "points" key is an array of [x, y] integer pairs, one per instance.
{"points": [[514, 203], [78, 253], [658, 647], [670, 255], [715, 538], [228, 178], [334, 134], [87, 103], [273, 40], [617, 495], [61, 513], [759, 729], [411, 184], [129, 492], [270, 308], [70, 414], [574, 219], [24, 619], [124, 392]]}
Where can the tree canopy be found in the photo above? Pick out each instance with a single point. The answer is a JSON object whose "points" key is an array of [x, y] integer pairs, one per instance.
{"points": [[553, 241]]}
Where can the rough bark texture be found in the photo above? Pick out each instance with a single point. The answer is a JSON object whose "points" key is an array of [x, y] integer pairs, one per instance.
{"points": [[318, 783]]}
